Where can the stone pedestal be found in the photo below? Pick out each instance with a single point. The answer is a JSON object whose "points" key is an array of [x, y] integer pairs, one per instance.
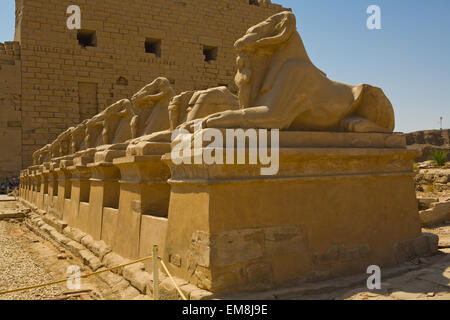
{"points": [[144, 191], [64, 191], [50, 183], [22, 185], [52, 188], [31, 184], [35, 182], [339, 203], [24, 181], [77, 211], [104, 193]]}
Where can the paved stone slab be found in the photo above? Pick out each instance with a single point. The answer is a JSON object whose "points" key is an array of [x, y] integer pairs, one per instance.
{"points": [[11, 215]]}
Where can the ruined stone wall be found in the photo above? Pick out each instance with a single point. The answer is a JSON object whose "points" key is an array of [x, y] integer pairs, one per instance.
{"points": [[64, 82], [10, 114], [428, 141], [439, 138]]}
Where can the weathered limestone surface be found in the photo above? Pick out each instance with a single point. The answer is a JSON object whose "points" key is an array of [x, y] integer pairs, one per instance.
{"points": [[143, 191], [342, 199], [280, 88], [329, 211], [10, 110], [433, 212]]}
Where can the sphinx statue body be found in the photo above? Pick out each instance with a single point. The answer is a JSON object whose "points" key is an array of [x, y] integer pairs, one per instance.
{"points": [[42, 155], [112, 129], [186, 108], [151, 107], [280, 88]]}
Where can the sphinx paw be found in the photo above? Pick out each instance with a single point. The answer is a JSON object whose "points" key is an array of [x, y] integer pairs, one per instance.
{"points": [[361, 125]]}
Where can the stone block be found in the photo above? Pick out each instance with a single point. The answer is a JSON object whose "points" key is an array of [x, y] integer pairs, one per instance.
{"points": [[75, 248], [334, 206], [90, 260], [168, 290], [113, 260], [74, 234], [198, 295], [88, 242], [110, 278], [100, 249], [425, 203], [59, 237], [136, 275], [438, 213]]}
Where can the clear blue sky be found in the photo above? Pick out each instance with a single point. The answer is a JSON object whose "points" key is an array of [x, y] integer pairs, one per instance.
{"points": [[409, 58]]}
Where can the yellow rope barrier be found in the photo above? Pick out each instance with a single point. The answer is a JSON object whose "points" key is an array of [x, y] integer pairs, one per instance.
{"points": [[82, 277], [173, 281]]}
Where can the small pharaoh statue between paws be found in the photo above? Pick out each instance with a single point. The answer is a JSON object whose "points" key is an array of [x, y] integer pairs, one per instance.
{"points": [[242, 79], [134, 124]]}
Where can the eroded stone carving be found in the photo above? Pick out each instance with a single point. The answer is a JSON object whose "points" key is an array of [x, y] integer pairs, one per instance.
{"points": [[60, 147], [150, 106], [186, 108], [280, 88], [112, 129], [115, 121], [78, 137], [42, 155]]}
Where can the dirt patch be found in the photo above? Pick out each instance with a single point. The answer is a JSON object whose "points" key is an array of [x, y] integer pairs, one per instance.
{"points": [[28, 260]]}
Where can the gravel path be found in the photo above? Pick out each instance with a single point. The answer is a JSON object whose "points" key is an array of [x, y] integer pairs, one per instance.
{"points": [[18, 269]]}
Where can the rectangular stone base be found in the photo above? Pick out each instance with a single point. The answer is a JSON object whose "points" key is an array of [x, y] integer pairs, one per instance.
{"points": [[333, 209], [144, 191]]}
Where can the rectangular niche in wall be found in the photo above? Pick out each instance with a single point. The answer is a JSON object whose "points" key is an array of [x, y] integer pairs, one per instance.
{"points": [[153, 46], [87, 97], [210, 53], [87, 38]]}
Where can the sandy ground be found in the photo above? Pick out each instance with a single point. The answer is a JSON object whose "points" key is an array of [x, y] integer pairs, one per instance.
{"points": [[27, 259], [430, 282]]}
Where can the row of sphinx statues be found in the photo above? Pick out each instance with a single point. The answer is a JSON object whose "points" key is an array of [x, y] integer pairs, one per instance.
{"points": [[151, 114], [279, 88]]}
